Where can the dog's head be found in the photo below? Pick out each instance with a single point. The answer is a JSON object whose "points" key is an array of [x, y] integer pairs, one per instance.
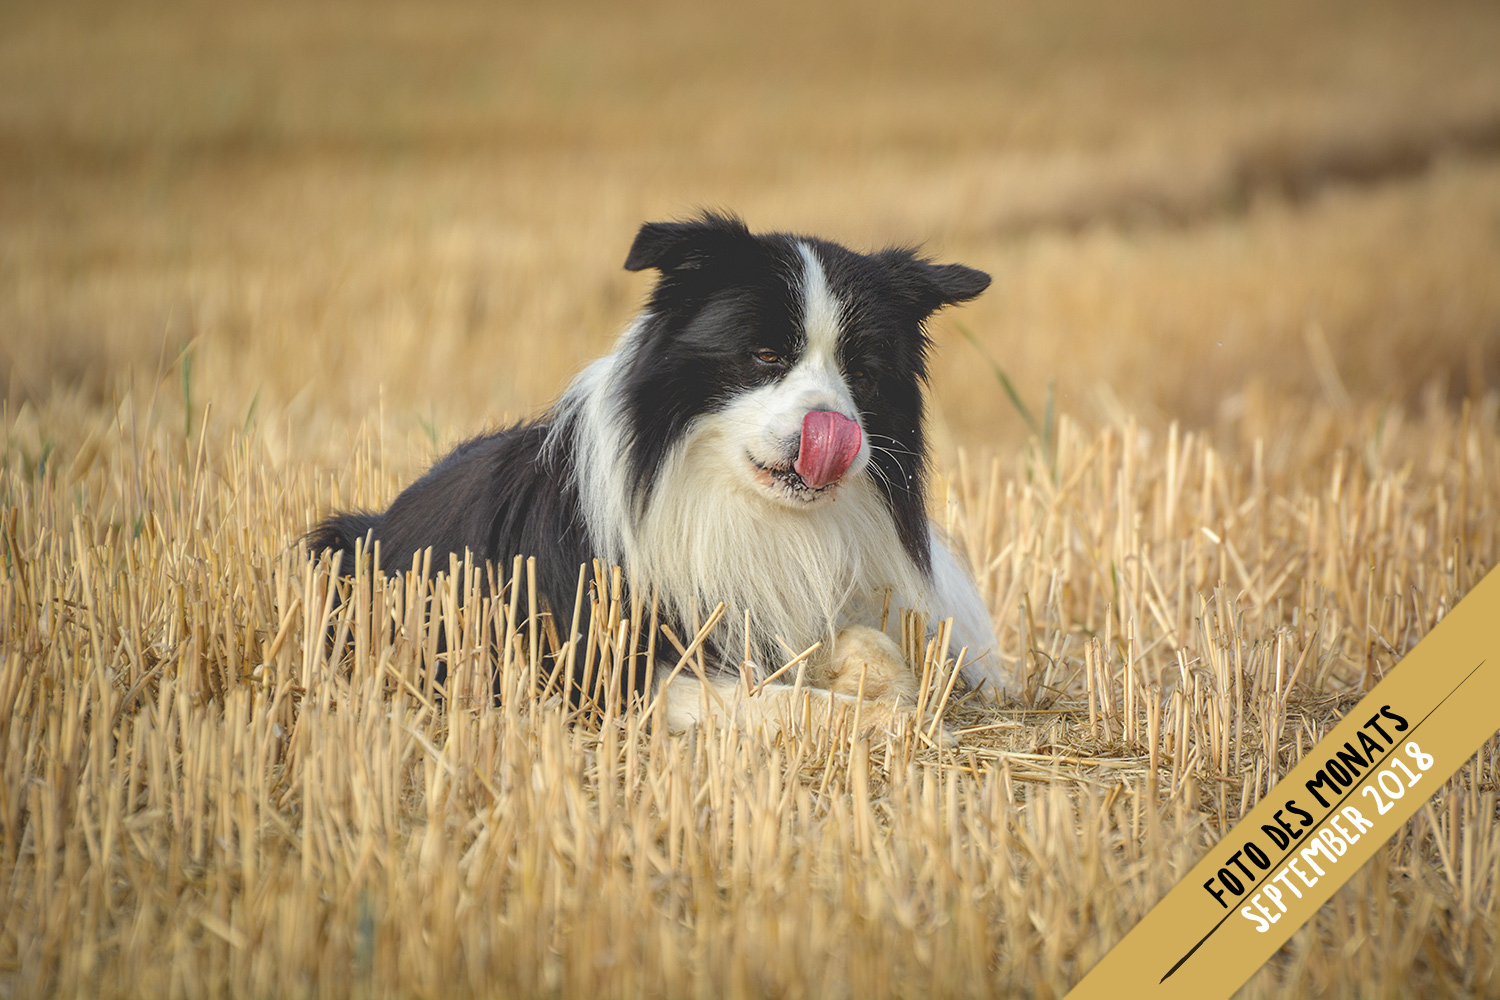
{"points": [[804, 360]]}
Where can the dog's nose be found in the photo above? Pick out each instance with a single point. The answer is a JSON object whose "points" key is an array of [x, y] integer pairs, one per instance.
{"points": [[830, 443]]}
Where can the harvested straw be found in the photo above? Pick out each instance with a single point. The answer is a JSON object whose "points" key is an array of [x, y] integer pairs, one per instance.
{"points": [[200, 796]]}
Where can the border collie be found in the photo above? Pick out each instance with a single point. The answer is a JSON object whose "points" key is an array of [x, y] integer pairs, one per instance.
{"points": [[755, 437]]}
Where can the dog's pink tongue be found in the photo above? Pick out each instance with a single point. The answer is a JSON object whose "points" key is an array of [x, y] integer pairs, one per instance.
{"points": [[830, 441]]}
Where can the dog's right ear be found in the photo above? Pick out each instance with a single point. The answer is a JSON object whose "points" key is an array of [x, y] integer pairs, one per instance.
{"points": [[674, 246]]}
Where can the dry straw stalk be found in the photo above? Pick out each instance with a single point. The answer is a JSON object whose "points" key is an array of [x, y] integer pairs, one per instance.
{"points": [[201, 796]]}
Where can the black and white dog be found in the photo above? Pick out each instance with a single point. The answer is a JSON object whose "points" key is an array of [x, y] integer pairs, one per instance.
{"points": [[755, 437]]}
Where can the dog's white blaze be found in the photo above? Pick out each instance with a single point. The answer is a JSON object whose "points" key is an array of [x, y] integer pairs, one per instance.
{"points": [[815, 382], [820, 310]]}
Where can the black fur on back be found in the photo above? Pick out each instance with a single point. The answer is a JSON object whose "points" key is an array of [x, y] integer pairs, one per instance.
{"points": [[495, 497]]}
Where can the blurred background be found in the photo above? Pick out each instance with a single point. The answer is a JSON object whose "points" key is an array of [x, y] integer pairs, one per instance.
{"points": [[322, 214]]}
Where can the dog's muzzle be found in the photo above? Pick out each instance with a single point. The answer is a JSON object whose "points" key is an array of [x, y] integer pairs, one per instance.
{"points": [[830, 443]]}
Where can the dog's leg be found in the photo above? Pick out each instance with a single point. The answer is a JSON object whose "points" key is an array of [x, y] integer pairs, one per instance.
{"points": [[866, 656], [831, 689], [780, 707]]}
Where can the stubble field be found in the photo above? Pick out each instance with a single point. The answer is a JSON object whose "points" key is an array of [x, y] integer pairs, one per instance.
{"points": [[258, 262]]}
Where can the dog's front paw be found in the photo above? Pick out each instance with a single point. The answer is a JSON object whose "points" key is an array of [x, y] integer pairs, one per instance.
{"points": [[864, 653]]}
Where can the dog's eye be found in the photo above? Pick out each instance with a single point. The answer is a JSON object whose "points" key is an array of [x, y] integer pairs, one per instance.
{"points": [[766, 356], [858, 374]]}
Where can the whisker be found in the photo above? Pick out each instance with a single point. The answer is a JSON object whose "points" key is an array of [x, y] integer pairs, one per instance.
{"points": [[887, 437]]}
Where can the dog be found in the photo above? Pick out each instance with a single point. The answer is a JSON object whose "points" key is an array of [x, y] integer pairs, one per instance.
{"points": [[754, 438]]}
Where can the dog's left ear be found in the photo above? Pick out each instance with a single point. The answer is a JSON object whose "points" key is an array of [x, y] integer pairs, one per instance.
{"points": [[956, 283], [931, 286]]}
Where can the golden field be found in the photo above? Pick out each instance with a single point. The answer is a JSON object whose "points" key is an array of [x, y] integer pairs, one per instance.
{"points": [[261, 261]]}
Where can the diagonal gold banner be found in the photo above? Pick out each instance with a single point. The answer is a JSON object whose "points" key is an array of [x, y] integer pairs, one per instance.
{"points": [[1324, 820]]}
